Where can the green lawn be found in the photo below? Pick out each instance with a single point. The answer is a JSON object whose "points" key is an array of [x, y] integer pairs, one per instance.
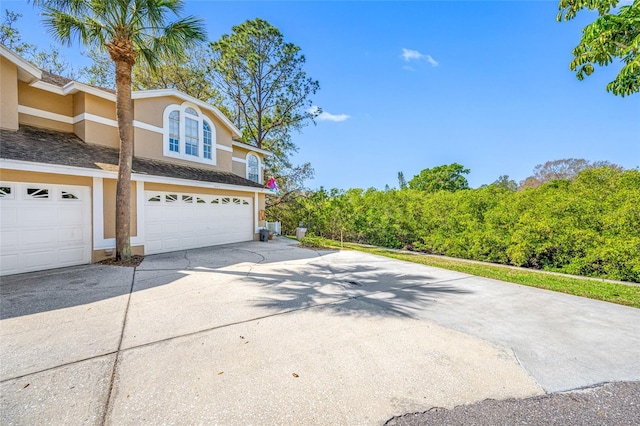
{"points": [[610, 292]]}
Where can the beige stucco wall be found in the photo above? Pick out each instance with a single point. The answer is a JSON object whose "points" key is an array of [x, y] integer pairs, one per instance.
{"points": [[8, 95], [262, 205], [30, 120], [101, 134], [148, 144], [109, 213], [150, 110], [79, 103], [100, 106], [240, 169], [46, 101], [79, 129], [38, 177]]}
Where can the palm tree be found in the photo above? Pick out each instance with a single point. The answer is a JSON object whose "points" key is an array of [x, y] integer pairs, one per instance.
{"points": [[130, 31]]}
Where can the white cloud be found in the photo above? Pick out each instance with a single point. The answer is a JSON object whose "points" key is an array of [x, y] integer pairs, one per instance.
{"points": [[409, 55], [327, 116]]}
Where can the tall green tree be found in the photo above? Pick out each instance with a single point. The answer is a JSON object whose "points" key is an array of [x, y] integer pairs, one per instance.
{"points": [[615, 34], [505, 183], [267, 92], [192, 76], [441, 178], [402, 182], [130, 31], [267, 89]]}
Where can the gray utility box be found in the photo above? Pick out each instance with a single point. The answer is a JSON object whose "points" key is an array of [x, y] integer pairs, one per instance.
{"points": [[300, 233]]}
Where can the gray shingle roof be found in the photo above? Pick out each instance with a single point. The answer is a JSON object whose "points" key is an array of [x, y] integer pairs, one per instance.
{"points": [[66, 149], [60, 81]]}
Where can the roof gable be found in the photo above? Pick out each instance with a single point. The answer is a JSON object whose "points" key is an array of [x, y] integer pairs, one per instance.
{"points": [[63, 86]]}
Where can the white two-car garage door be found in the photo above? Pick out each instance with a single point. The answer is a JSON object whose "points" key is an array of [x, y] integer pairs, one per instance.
{"points": [[43, 226], [178, 221]]}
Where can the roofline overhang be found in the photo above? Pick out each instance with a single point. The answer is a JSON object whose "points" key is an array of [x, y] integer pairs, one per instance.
{"points": [[27, 72], [142, 177], [32, 75], [251, 148]]}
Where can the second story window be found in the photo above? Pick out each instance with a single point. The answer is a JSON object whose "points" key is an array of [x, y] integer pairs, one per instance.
{"points": [[253, 168], [207, 145], [189, 135], [174, 131]]}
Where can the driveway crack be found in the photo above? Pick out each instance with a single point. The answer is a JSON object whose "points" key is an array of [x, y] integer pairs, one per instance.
{"points": [[107, 405]]}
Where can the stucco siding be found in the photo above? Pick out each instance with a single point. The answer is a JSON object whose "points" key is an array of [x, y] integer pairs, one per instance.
{"points": [[30, 120], [240, 169], [101, 107], [8, 95], [150, 110], [79, 103], [101, 134], [109, 213], [148, 144], [38, 177], [44, 100]]}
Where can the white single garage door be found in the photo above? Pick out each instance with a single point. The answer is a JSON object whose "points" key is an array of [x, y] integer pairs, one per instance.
{"points": [[43, 226], [178, 221]]}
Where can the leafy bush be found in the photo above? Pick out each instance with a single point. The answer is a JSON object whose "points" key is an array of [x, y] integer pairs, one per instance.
{"points": [[586, 226]]}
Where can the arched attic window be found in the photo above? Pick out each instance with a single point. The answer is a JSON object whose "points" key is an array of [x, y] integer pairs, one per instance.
{"points": [[189, 134]]}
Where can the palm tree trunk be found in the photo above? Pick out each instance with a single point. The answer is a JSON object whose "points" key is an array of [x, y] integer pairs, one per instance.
{"points": [[124, 110]]}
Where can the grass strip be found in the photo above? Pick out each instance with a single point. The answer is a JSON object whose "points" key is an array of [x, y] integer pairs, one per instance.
{"points": [[600, 290]]}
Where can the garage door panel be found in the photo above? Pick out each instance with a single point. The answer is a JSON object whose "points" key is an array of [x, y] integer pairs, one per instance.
{"points": [[70, 215], [38, 237], [9, 264], [71, 256], [9, 216], [38, 260], [46, 229], [171, 213], [39, 216], [153, 213], [9, 240], [171, 244], [69, 236], [186, 223]]}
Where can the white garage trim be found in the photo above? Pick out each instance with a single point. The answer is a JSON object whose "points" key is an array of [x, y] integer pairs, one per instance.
{"points": [[99, 241]]}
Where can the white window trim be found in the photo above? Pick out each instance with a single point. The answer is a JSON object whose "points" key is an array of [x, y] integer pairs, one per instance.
{"points": [[201, 119], [247, 166]]}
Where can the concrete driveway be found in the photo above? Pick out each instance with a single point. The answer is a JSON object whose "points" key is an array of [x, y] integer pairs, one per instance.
{"points": [[269, 333]]}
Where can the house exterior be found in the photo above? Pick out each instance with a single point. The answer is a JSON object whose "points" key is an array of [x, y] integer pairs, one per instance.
{"points": [[193, 184]]}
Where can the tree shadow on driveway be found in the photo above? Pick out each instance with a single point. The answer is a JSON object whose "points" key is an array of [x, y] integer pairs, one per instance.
{"points": [[280, 278], [385, 292]]}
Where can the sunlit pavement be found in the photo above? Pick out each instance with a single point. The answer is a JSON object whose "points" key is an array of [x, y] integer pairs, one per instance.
{"points": [[270, 333]]}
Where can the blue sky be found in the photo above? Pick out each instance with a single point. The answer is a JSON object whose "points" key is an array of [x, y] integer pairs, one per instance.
{"points": [[413, 85]]}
